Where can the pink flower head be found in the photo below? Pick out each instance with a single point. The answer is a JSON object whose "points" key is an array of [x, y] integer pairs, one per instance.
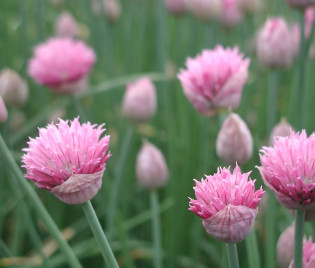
{"points": [[215, 79], [60, 61], [288, 169], [275, 47], [308, 255], [227, 203], [68, 160], [300, 4], [231, 14]]}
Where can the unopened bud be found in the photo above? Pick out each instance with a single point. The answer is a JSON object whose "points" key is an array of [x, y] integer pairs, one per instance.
{"points": [[151, 167], [112, 10], [13, 88], [285, 247], [282, 130], [250, 6], [139, 103], [205, 10], [3, 111], [66, 25], [230, 15], [234, 142]]}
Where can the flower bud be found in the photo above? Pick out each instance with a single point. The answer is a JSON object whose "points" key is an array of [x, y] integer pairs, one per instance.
{"points": [[13, 88], [282, 130], [139, 103], [205, 10], [151, 167], [176, 7], [275, 44], [308, 254], [285, 247], [66, 25], [230, 15], [234, 142], [300, 4], [112, 10], [3, 111]]}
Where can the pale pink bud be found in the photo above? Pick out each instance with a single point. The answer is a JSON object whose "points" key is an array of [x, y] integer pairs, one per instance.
{"points": [[227, 202], [66, 25], [3, 111], [139, 103], [176, 7], [230, 15], [250, 6], [151, 167], [206, 10], [13, 88], [112, 9], [308, 254], [285, 247], [234, 141], [283, 129], [300, 4], [275, 44]]}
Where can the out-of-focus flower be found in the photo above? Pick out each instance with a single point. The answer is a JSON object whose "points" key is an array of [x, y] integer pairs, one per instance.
{"points": [[205, 10], [309, 20], [275, 44], [227, 203], [285, 247], [68, 160], [66, 25], [112, 9], [288, 169], [13, 89], [250, 6], [282, 129], [215, 79], [308, 255], [139, 103], [151, 167], [176, 7], [231, 14], [60, 62], [234, 141], [3, 111], [300, 4]]}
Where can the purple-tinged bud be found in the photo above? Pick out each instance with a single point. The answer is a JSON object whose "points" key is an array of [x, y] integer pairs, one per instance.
{"points": [[176, 7], [285, 247], [66, 25], [151, 167], [275, 44], [13, 88], [234, 142], [230, 15], [112, 9], [3, 111], [205, 10], [300, 4], [139, 103], [282, 130]]}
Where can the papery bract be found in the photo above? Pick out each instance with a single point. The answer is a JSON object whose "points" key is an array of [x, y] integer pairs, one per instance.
{"points": [[227, 202], [68, 160], [215, 79], [288, 169]]}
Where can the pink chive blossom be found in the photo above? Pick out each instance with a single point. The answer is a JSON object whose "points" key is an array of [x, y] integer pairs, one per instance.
{"points": [[215, 79], [300, 4], [308, 255], [231, 14], [275, 44], [3, 111], [68, 160], [288, 169], [61, 61], [227, 202]]}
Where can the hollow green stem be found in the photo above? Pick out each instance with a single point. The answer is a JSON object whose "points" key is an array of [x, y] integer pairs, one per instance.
{"points": [[272, 100], [252, 250], [38, 206], [99, 235], [232, 255], [298, 238], [156, 229]]}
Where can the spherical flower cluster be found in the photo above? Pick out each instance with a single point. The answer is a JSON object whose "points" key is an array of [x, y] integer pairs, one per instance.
{"points": [[288, 169], [215, 79], [227, 203], [308, 255], [68, 160], [60, 61]]}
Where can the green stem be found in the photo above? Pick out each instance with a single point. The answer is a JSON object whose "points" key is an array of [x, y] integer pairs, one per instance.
{"points": [[232, 255], [156, 229], [298, 238], [270, 223], [252, 250], [272, 100], [99, 235], [38, 206]]}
